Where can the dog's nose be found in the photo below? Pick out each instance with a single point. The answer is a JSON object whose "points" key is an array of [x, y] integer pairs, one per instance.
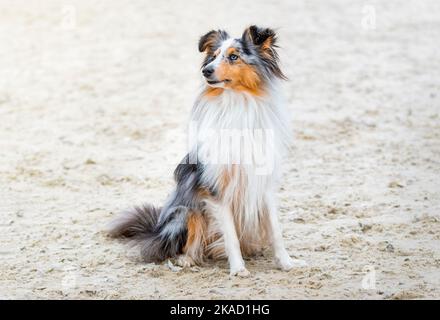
{"points": [[207, 71]]}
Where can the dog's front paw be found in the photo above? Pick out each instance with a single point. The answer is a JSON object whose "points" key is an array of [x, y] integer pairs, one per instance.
{"points": [[287, 263], [242, 273]]}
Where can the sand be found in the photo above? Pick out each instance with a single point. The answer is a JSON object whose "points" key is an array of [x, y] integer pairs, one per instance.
{"points": [[94, 99]]}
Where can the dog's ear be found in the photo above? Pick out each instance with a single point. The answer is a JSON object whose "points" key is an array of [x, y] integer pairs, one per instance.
{"points": [[211, 41], [264, 41], [264, 38]]}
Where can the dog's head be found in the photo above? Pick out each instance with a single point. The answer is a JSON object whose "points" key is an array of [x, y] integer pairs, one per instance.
{"points": [[243, 64]]}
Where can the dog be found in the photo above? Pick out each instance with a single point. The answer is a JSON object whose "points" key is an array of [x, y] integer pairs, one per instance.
{"points": [[224, 203]]}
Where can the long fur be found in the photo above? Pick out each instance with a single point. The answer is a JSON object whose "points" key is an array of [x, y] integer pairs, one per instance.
{"points": [[216, 175], [157, 238]]}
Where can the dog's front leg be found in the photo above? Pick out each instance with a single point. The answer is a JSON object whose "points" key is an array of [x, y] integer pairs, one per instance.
{"points": [[282, 258], [232, 245]]}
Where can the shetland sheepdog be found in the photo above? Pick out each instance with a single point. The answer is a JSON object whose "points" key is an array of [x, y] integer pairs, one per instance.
{"points": [[223, 205]]}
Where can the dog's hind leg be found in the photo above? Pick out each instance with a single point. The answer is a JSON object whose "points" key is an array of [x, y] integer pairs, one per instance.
{"points": [[196, 241]]}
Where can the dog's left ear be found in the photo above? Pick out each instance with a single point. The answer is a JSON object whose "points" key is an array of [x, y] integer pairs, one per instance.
{"points": [[264, 41], [264, 38], [210, 41]]}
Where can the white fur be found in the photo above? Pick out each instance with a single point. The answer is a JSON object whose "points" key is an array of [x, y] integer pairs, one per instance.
{"points": [[218, 59], [250, 124]]}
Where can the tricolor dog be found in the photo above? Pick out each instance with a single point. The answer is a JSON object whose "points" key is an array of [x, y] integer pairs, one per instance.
{"points": [[223, 205]]}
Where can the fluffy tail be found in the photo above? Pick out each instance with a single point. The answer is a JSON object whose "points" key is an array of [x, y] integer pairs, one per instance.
{"points": [[160, 235]]}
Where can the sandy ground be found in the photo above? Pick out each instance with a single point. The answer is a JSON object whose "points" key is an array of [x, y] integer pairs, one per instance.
{"points": [[94, 100]]}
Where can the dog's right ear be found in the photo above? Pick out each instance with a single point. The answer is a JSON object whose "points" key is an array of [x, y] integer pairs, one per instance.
{"points": [[212, 40]]}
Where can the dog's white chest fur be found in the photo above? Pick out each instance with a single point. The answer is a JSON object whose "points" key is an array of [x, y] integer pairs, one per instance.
{"points": [[241, 140]]}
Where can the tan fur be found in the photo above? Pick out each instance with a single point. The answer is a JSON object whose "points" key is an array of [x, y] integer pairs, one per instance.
{"points": [[243, 77], [267, 44], [213, 92], [209, 44], [231, 50], [196, 241], [251, 242]]}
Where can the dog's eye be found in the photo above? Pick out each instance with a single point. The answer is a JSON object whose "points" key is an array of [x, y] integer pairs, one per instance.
{"points": [[233, 57]]}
